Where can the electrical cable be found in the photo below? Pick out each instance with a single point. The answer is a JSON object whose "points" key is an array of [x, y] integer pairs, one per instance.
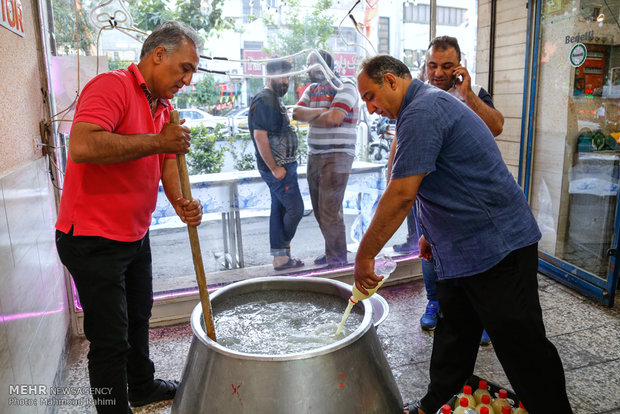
{"points": [[77, 45], [104, 17], [113, 25], [113, 21], [52, 178], [357, 28], [274, 59], [324, 67], [330, 76], [56, 166]]}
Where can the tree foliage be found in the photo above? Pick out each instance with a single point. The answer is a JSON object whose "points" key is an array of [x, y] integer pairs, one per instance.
{"points": [[241, 152], [65, 36], [207, 93], [204, 156], [210, 23], [205, 96], [146, 14], [300, 30]]}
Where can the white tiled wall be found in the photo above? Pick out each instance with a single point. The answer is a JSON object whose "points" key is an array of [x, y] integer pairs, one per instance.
{"points": [[509, 64], [33, 306]]}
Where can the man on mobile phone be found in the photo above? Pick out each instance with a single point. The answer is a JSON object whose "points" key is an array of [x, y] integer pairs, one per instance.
{"points": [[444, 70]]}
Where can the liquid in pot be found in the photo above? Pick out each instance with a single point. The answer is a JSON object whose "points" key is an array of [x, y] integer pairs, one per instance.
{"points": [[279, 322]]}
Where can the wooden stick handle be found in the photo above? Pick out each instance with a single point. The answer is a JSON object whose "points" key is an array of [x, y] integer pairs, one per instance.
{"points": [[195, 242]]}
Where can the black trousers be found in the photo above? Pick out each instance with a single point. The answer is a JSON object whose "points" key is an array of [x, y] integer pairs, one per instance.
{"points": [[504, 300], [114, 283]]}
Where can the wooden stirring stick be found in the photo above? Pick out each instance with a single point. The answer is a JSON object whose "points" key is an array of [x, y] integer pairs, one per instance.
{"points": [[194, 242]]}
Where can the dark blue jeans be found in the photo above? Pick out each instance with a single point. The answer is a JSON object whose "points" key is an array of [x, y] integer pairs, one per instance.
{"points": [[114, 283], [428, 267], [287, 208], [430, 278]]}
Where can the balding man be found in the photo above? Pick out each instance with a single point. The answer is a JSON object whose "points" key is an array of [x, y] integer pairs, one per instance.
{"points": [[443, 69], [476, 223]]}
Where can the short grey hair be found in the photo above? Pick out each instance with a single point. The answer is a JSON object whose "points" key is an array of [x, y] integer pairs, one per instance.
{"points": [[378, 66], [170, 35]]}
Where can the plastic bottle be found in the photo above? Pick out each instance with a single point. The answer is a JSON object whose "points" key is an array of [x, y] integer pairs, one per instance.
{"points": [[500, 401], [463, 405], [507, 409], [521, 409], [467, 394], [445, 409], [482, 390], [485, 403], [384, 266]]}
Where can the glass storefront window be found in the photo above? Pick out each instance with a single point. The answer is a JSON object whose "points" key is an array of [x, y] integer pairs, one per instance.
{"points": [[460, 20], [234, 235], [577, 157]]}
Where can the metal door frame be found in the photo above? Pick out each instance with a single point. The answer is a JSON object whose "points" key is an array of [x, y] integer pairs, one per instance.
{"points": [[602, 291]]}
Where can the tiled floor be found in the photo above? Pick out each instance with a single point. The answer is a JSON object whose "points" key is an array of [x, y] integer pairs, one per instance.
{"points": [[587, 337]]}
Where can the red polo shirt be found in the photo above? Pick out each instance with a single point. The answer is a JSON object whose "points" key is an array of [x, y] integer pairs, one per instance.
{"points": [[114, 201]]}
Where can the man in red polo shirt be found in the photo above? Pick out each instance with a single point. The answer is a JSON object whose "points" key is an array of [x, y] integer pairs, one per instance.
{"points": [[121, 146]]}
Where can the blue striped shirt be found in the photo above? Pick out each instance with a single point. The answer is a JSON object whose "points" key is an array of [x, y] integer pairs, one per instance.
{"points": [[470, 208]]}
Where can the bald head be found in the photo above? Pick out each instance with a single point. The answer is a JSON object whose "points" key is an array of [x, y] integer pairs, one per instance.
{"points": [[383, 82], [377, 66]]}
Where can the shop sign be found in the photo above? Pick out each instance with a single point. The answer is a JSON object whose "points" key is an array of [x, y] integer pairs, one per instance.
{"points": [[578, 55], [345, 63], [254, 68], [580, 37], [12, 16]]}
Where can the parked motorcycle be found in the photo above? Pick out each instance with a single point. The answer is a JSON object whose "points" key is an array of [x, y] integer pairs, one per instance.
{"points": [[381, 136]]}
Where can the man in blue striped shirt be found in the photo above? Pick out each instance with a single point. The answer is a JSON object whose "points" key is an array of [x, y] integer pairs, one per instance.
{"points": [[477, 224]]}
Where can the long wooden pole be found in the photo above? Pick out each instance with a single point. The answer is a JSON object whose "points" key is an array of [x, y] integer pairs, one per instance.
{"points": [[194, 242]]}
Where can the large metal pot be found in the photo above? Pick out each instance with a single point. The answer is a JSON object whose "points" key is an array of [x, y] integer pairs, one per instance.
{"points": [[349, 376]]}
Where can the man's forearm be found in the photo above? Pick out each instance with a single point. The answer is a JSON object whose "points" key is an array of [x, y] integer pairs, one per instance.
{"points": [[305, 114], [329, 119], [90, 143], [170, 180], [104, 147]]}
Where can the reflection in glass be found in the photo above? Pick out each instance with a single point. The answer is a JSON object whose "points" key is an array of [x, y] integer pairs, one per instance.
{"points": [[575, 181], [234, 234]]}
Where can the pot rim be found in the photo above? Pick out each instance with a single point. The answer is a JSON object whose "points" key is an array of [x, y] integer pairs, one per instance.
{"points": [[364, 326]]}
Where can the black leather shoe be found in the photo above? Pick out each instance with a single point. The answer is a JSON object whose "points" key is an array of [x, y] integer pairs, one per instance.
{"points": [[162, 390]]}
